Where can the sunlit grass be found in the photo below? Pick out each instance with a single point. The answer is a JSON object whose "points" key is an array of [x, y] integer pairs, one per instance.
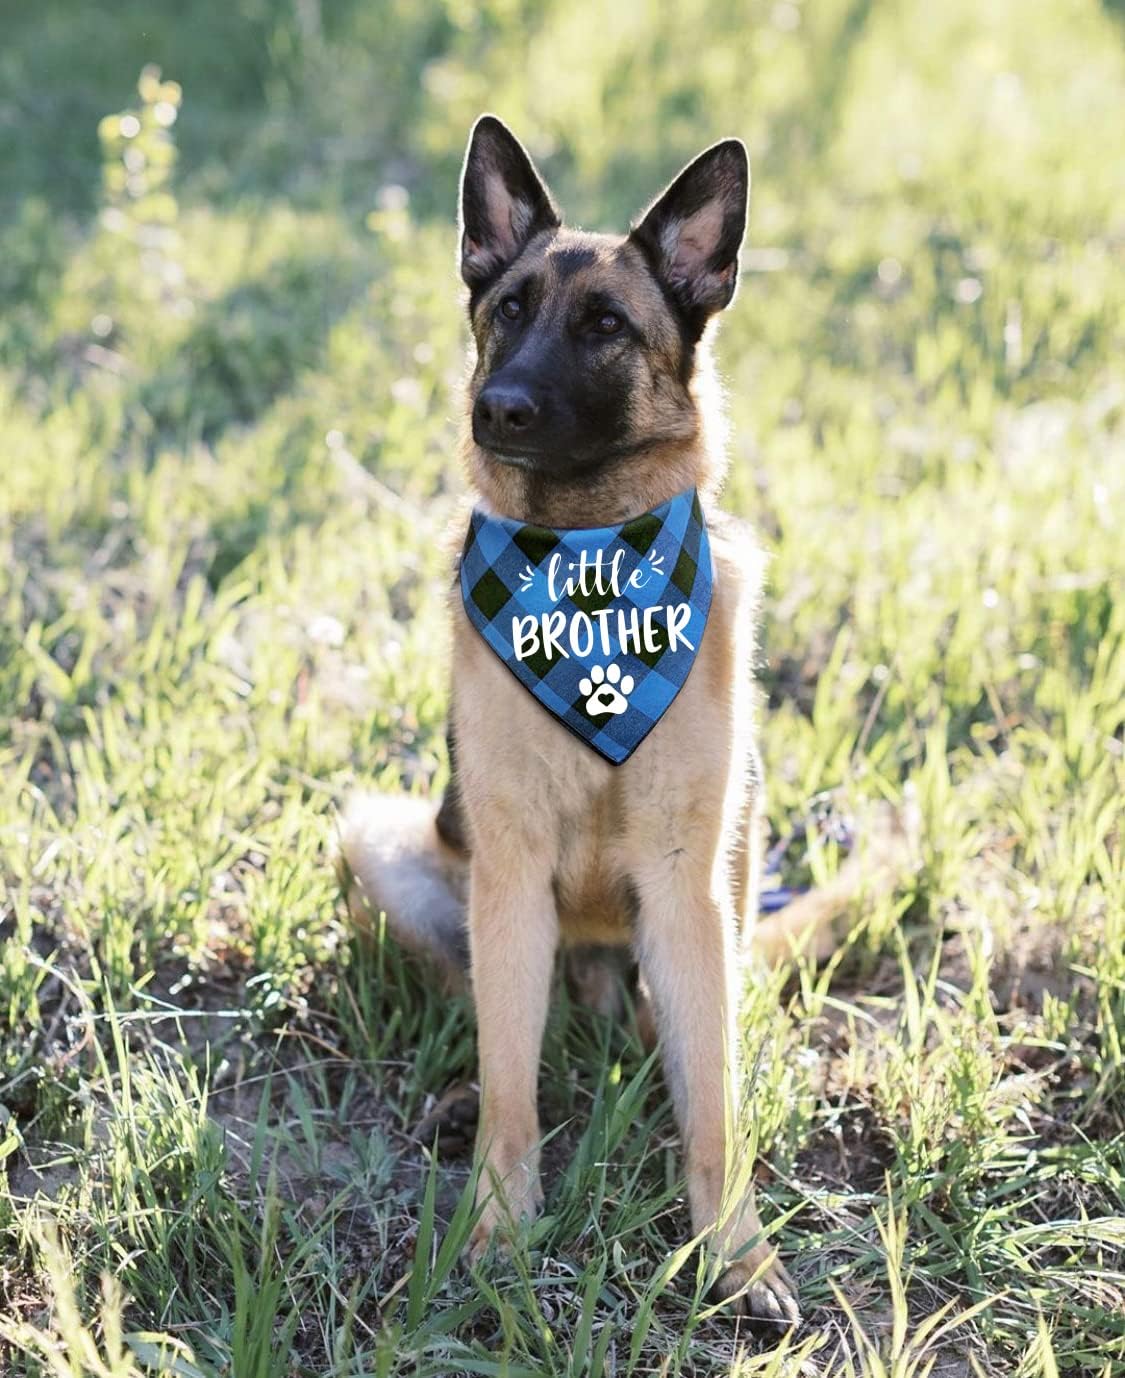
{"points": [[228, 423]]}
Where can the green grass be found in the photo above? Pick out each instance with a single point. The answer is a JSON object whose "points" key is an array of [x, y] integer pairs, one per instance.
{"points": [[227, 391]]}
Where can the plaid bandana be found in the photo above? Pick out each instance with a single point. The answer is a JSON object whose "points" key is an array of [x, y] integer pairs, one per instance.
{"points": [[602, 625]]}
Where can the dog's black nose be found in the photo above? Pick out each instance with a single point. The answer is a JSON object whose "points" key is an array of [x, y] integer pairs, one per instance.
{"points": [[504, 413]]}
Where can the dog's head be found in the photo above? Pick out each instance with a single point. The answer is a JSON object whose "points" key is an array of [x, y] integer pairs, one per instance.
{"points": [[587, 343]]}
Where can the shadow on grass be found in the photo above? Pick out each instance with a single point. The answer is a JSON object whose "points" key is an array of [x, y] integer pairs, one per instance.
{"points": [[260, 114], [247, 348]]}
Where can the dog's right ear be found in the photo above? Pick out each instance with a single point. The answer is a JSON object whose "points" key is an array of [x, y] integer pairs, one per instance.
{"points": [[503, 202]]}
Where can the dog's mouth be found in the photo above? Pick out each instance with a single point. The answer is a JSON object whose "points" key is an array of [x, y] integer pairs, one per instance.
{"points": [[521, 458], [563, 465]]}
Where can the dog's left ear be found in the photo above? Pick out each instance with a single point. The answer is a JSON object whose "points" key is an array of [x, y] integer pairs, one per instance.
{"points": [[692, 232]]}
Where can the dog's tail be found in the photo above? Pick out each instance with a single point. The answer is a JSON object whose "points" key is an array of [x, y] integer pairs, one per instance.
{"points": [[394, 860]]}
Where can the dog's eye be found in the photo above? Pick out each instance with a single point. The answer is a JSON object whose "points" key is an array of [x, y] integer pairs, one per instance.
{"points": [[511, 309], [608, 323]]}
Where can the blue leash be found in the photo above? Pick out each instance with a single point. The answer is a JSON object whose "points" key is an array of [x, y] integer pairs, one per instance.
{"points": [[830, 825]]}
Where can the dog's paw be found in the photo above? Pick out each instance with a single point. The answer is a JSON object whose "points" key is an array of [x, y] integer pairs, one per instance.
{"points": [[766, 1295], [605, 690], [486, 1233], [502, 1218]]}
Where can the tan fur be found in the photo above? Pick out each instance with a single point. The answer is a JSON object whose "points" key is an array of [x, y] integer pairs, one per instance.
{"points": [[565, 847], [545, 845], [563, 838], [660, 852], [398, 865]]}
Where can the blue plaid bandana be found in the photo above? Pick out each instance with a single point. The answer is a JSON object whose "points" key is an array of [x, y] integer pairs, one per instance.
{"points": [[603, 624]]}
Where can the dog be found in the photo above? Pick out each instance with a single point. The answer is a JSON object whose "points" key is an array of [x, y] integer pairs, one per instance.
{"points": [[592, 399]]}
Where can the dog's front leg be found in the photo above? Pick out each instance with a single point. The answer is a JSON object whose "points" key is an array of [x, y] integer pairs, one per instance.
{"points": [[688, 954], [513, 932]]}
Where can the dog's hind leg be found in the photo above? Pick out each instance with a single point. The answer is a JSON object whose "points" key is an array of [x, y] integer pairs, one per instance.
{"points": [[399, 858], [885, 854]]}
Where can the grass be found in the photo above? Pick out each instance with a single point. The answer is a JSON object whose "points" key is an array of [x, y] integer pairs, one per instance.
{"points": [[228, 372]]}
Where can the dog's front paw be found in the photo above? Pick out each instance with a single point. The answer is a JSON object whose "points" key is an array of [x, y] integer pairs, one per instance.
{"points": [[503, 1215], [766, 1294], [486, 1230]]}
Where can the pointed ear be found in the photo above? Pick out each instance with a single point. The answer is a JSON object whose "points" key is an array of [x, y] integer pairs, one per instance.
{"points": [[503, 201], [692, 232]]}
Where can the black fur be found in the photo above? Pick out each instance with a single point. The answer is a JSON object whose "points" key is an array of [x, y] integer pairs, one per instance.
{"points": [[579, 381]]}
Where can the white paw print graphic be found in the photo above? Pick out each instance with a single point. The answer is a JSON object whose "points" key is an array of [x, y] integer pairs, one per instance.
{"points": [[606, 691]]}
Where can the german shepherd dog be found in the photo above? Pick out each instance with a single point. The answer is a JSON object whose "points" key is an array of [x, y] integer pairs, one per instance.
{"points": [[592, 400]]}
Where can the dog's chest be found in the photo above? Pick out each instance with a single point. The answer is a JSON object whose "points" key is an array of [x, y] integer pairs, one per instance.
{"points": [[555, 805]]}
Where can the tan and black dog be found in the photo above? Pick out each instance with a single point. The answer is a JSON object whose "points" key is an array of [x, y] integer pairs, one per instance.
{"points": [[592, 400]]}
